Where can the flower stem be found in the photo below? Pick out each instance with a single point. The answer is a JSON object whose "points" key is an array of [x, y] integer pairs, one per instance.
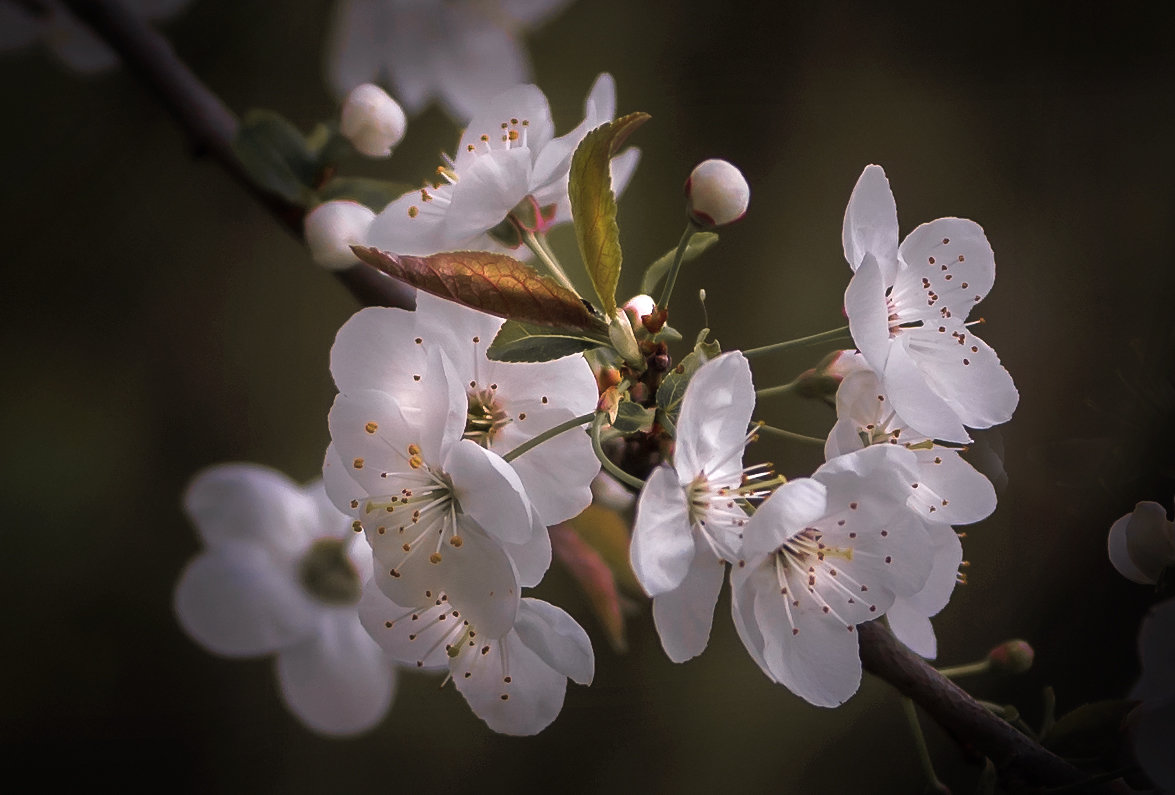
{"points": [[550, 433], [932, 779], [536, 244], [795, 437], [678, 257], [772, 391], [605, 461], [968, 669], [811, 339]]}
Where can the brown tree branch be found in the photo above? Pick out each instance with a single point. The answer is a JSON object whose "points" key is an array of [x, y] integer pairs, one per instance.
{"points": [[211, 126]]}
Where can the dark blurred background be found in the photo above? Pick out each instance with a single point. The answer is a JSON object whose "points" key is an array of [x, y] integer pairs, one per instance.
{"points": [[157, 320]]}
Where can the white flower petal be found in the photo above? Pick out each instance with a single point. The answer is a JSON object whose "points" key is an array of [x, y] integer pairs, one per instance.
{"points": [[374, 438], [912, 627], [684, 615], [867, 313], [412, 225], [961, 269], [557, 474], [966, 373], [233, 600], [338, 683], [916, 402], [248, 502], [464, 334], [523, 102], [557, 639], [715, 413], [662, 542], [509, 686], [490, 491], [412, 636], [362, 358], [1150, 540], [791, 508], [957, 491], [491, 185], [871, 222], [532, 557], [485, 58]]}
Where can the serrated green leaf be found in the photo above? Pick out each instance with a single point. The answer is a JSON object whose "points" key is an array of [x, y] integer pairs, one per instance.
{"points": [[632, 417], [375, 193], [528, 342], [593, 205], [494, 283], [672, 388], [1091, 730], [277, 157], [695, 247]]}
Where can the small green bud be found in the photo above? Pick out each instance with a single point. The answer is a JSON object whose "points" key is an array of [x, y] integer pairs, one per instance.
{"points": [[1012, 657]]}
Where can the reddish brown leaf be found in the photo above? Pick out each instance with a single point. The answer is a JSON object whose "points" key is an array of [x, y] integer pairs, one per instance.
{"points": [[493, 283]]}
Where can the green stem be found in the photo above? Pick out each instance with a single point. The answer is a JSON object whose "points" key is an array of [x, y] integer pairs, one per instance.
{"points": [[605, 461], [795, 437], [772, 391], [666, 423], [535, 244], [678, 257], [969, 669], [550, 433], [811, 339], [932, 779]]}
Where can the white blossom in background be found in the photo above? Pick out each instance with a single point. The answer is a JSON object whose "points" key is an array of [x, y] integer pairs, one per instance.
{"points": [[507, 155], [281, 574], [716, 193], [332, 228], [949, 491], [505, 404], [1152, 724], [513, 680], [821, 555], [1142, 543], [907, 307], [67, 37], [456, 51], [690, 516], [372, 121]]}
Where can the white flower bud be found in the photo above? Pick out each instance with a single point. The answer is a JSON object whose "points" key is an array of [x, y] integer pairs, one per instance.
{"points": [[717, 193], [638, 306], [332, 228], [372, 121]]}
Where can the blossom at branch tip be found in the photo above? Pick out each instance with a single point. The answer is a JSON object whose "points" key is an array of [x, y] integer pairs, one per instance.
{"points": [[947, 491], [514, 681], [69, 39], [457, 51], [1142, 543], [821, 555], [907, 307], [281, 573], [690, 516], [508, 158], [505, 404]]}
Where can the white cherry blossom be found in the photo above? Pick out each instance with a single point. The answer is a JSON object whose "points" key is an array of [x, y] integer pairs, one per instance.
{"points": [[506, 404], [1142, 543], [821, 555], [507, 156], [457, 51], [907, 307], [690, 516], [513, 680], [281, 574]]}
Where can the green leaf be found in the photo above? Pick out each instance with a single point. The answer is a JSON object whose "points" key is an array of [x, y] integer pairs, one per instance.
{"points": [[277, 157], [528, 342], [375, 193], [632, 417], [672, 388], [593, 205], [1092, 730], [695, 247], [493, 283]]}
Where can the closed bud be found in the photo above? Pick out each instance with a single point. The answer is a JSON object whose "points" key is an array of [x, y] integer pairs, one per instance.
{"points": [[1011, 657], [716, 194], [624, 341], [332, 228], [638, 307], [372, 121]]}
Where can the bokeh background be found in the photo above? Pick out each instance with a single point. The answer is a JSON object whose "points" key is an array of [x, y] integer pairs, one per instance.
{"points": [[157, 320]]}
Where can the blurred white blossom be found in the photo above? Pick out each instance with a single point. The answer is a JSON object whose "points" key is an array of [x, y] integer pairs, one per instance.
{"points": [[372, 121], [1142, 543]]}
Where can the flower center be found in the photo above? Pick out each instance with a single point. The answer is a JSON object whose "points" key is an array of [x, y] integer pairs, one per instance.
{"points": [[484, 417], [327, 574]]}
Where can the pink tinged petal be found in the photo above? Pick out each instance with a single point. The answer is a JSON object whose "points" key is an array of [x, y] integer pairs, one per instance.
{"points": [[339, 683], [868, 316], [955, 490], [557, 475], [490, 491], [490, 187], [523, 102], [966, 373], [662, 541], [376, 349], [509, 686], [715, 413], [913, 628], [792, 507], [916, 401], [232, 503], [871, 222], [414, 636], [683, 616], [954, 255], [1120, 553], [1150, 540], [557, 639], [236, 601], [412, 224]]}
